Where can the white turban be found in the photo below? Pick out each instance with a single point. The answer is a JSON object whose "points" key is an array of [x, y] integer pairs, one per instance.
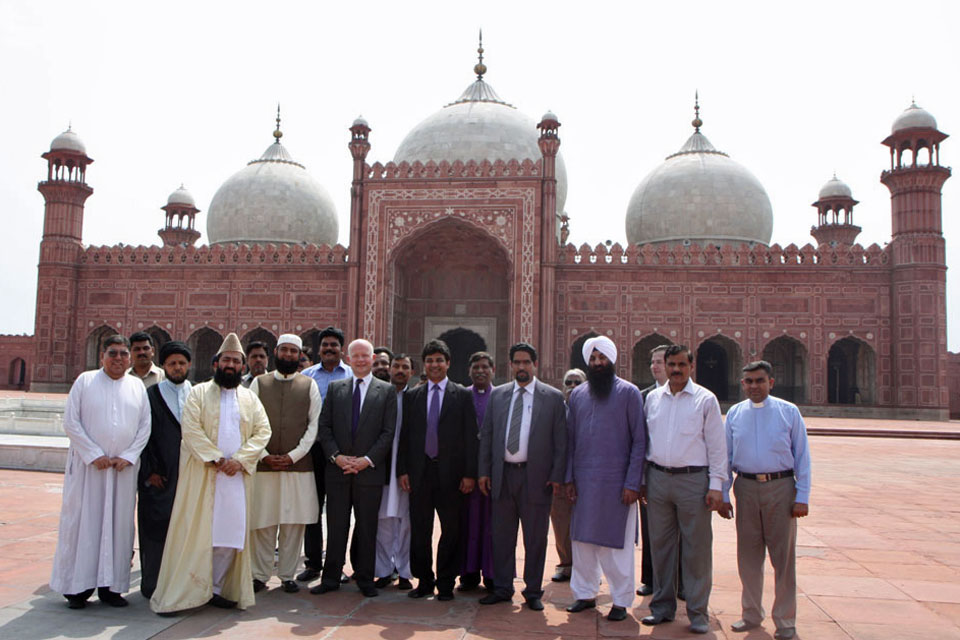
{"points": [[290, 338], [604, 345]]}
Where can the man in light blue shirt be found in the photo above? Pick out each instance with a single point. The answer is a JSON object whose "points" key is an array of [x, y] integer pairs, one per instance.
{"points": [[331, 367], [767, 446]]}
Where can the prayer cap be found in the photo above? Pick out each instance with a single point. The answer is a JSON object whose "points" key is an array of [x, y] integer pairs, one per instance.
{"points": [[174, 346], [232, 343], [290, 338], [604, 345]]}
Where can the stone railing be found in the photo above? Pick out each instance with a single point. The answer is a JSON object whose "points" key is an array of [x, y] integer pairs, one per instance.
{"points": [[472, 169], [728, 256], [229, 253]]}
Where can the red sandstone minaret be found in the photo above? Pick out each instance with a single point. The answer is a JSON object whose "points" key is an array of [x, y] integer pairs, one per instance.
{"points": [[180, 229], [918, 282], [835, 214], [64, 192]]}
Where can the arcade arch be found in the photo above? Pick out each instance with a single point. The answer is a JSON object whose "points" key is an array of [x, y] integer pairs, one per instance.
{"points": [[576, 351], [95, 345], [642, 377], [851, 372], [204, 343], [788, 357], [717, 367]]}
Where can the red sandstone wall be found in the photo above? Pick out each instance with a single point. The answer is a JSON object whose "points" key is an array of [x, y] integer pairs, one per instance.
{"points": [[13, 349], [953, 383]]}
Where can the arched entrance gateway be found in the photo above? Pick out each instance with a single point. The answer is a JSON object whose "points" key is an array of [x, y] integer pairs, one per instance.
{"points": [[204, 343], [452, 281], [788, 357], [642, 376], [717, 367], [851, 372]]}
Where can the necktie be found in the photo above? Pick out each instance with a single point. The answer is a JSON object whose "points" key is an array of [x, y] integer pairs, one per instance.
{"points": [[355, 421], [433, 423], [513, 436]]}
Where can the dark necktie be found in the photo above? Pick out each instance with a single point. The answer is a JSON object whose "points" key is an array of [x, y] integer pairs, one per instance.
{"points": [[513, 436], [433, 424], [355, 420]]}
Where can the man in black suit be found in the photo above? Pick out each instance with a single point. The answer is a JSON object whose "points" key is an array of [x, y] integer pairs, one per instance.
{"points": [[523, 460], [437, 464], [355, 429]]}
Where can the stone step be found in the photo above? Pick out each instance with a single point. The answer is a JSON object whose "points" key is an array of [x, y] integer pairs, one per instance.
{"points": [[33, 453]]}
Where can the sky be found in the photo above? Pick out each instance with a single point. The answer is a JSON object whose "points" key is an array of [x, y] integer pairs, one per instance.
{"points": [[186, 92]]}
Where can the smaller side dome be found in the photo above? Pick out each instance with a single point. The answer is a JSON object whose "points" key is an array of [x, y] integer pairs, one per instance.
{"points": [[914, 117], [360, 122], [68, 141], [835, 188], [182, 196]]}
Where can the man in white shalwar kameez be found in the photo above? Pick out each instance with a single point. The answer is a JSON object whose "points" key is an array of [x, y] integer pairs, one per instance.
{"points": [[225, 429], [107, 420]]}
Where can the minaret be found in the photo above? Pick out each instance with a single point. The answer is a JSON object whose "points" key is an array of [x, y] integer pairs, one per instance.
{"points": [[918, 309], [552, 234], [180, 229], [64, 193], [835, 214]]}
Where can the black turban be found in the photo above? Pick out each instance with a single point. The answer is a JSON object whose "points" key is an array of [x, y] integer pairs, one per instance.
{"points": [[172, 347]]}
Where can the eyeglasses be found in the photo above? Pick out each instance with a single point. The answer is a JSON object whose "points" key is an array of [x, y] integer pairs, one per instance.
{"points": [[572, 382], [115, 353]]}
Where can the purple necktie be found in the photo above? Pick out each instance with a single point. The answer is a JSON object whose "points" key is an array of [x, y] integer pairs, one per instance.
{"points": [[433, 423], [355, 422]]}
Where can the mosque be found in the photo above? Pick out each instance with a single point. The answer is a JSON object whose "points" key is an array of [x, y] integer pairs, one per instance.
{"points": [[463, 235]]}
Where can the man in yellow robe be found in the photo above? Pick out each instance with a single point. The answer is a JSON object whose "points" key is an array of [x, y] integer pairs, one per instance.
{"points": [[207, 554]]}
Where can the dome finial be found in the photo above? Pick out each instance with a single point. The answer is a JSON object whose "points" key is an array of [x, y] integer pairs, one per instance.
{"points": [[697, 122], [278, 134], [480, 68]]}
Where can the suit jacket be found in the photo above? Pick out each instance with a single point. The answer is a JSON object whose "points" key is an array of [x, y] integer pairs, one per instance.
{"points": [[546, 447], [457, 435], [646, 391], [378, 420]]}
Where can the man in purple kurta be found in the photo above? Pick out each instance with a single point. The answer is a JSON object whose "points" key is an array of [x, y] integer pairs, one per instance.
{"points": [[607, 441], [477, 537]]}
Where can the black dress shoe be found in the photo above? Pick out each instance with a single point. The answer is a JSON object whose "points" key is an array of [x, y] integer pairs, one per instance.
{"points": [[258, 585], [468, 586], [534, 604], [344, 578], [403, 584], [220, 602], [76, 602], [422, 591], [653, 620], [743, 625], [617, 614], [383, 583], [580, 605], [561, 575], [369, 591], [323, 588], [445, 596], [493, 598], [308, 575], [109, 597], [644, 590], [289, 586], [786, 633]]}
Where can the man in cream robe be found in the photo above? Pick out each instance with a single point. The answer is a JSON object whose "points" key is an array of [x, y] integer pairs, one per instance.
{"points": [[207, 557]]}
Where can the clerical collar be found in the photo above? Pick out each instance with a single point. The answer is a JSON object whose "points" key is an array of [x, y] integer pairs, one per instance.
{"points": [[757, 405]]}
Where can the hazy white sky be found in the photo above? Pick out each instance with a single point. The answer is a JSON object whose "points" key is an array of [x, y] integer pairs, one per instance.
{"points": [[164, 93]]}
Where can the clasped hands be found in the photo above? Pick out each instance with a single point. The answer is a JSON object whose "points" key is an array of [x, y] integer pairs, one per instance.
{"points": [[105, 462], [352, 464]]}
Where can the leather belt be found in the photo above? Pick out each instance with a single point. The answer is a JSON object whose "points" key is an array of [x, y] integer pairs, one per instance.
{"points": [[515, 465], [676, 470], [766, 477]]}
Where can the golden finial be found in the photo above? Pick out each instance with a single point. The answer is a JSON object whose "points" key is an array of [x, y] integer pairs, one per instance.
{"points": [[480, 68], [278, 134], [697, 122]]}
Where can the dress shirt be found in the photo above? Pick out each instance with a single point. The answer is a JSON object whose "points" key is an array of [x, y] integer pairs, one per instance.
{"points": [[154, 376], [363, 387], [443, 389], [521, 454], [765, 438], [310, 435], [686, 430], [324, 377], [175, 395]]}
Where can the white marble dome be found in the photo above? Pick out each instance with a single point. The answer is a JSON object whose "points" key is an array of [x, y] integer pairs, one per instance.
{"points": [[68, 141], [914, 117], [273, 199], [478, 126], [835, 188], [702, 196], [182, 196]]}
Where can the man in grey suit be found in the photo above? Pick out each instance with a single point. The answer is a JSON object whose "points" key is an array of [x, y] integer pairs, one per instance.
{"points": [[523, 456], [355, 430]]}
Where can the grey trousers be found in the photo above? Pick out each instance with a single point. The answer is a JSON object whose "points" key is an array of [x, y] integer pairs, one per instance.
{"points": [[765, 522], [512, 509], [560, 514], [676, 505]]}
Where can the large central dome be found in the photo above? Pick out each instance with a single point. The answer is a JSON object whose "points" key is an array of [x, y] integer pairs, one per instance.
{"points": [[478, 126], [699, 195]]}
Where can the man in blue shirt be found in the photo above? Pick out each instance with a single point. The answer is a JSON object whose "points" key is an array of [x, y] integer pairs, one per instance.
{"points": [[767, 446], [331, 367]]}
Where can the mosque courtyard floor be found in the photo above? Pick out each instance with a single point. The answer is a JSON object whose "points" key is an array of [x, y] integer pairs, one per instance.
{"points": [[879, 557]]}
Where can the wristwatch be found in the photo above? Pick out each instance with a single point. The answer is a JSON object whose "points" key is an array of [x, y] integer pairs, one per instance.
{"points": [[333, 458]]}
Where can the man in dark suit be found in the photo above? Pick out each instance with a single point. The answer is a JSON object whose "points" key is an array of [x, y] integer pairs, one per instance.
{"points": [[437, 464], [523, 456], [355, 429]]}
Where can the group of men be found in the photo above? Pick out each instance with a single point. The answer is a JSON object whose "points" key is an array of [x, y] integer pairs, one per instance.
{"points": [[233, 475]]}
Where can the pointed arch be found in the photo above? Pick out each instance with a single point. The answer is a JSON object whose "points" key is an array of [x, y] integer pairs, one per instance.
{"points": [[94, 347], [266, 336], [718, 363], [851, 372], [788, 357], [642, 377], [18, 373], [463, 343], [160, 337], [204, 343], [576, 351]]}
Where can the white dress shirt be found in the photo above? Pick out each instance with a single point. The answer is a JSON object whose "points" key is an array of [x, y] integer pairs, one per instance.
{"points": [[521, 454], [686, 430], [363, 387]]}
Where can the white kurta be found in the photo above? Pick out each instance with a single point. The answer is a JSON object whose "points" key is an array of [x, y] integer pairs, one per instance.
{"points": [[229, 498], [103, 417]]}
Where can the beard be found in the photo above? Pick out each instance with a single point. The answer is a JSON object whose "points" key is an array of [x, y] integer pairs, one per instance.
{"points": [[286, 367], [601, 380], [176, 379], [382, 374], [227, 380]]}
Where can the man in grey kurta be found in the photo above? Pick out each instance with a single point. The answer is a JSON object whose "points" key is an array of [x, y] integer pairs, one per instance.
{"points": [[607, 439]]}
